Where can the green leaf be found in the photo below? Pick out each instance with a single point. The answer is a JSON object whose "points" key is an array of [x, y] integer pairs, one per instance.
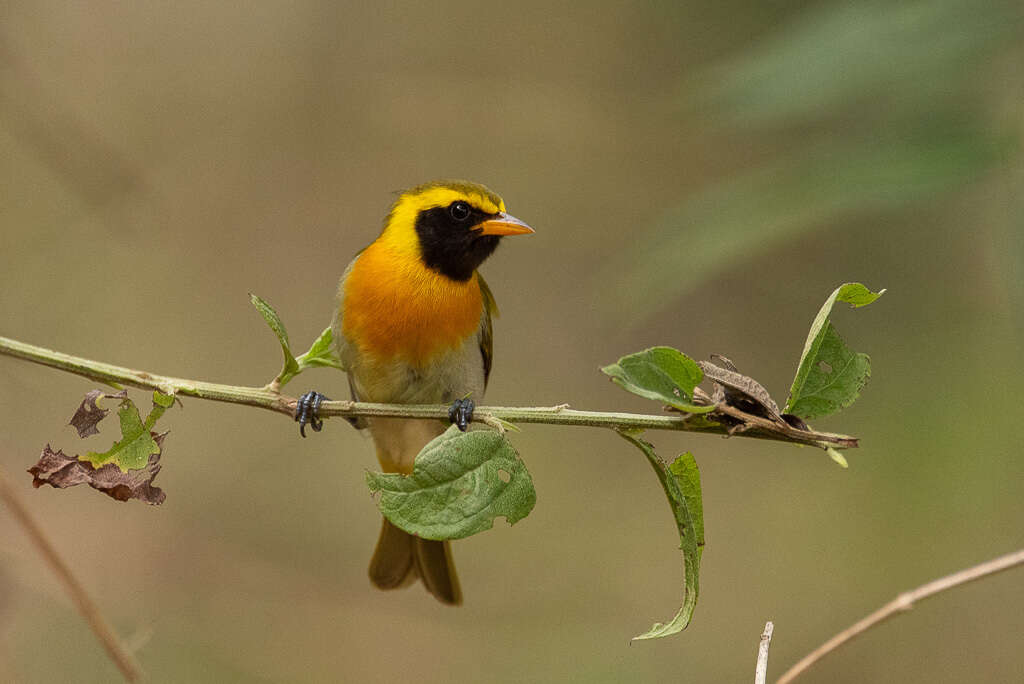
{"points": [[660, 373], [321, 353], [291, 366], [137, 441], [461, 481], [685, 470], [162, 400], [830, 375], [681, 483]]}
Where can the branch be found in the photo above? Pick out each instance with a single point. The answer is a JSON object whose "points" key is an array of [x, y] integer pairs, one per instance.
{"points": [[761, 671], [88, 610], [901, 603], [268, 397]]}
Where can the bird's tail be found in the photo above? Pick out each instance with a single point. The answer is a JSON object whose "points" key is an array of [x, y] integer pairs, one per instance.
{"points": [[400, 558]]}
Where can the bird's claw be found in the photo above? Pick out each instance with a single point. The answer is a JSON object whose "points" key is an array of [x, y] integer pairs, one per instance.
{"points": [[307, 412], [460, 413]]}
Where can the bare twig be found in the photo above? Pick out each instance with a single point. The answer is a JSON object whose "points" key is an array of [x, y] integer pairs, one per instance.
{"points": [[269, 398], [901, 603], [88, 610], [761, 671]]}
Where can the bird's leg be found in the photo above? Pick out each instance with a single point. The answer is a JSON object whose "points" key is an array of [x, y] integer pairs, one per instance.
{"points": [[460, 413], [307, 411]]}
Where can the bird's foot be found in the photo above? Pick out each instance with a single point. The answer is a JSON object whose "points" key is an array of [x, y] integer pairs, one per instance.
{"points": [[460, 413], [307, 412]]}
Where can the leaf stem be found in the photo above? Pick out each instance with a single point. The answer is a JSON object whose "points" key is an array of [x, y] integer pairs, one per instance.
{"points": [[124, 660], [268, 397]]}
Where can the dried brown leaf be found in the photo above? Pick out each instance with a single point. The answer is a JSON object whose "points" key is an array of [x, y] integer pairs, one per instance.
{"points": [[89, 413], [796, 422], [739, 390], [61, 471], [725, 362]]}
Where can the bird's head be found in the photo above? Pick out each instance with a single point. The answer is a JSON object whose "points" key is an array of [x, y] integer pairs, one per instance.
{"points": [[453, 225]]}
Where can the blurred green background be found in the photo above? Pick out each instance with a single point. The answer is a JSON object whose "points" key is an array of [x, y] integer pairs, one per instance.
{"points": [[700, 174]]}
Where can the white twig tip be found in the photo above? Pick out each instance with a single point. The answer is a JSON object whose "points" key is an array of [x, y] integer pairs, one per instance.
{"points": [[761, 671]]}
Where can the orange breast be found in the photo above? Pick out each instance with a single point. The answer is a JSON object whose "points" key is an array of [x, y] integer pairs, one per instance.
{"points": [[395, 307]]}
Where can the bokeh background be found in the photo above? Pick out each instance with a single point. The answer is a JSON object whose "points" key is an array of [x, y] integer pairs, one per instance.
{"points": [[700, 174]]}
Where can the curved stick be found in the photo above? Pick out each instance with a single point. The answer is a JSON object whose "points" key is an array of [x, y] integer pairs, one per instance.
{"points": [[86, 607], [901, 603]]}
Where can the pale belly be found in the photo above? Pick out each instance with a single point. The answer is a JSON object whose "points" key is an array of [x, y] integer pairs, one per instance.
{"points": [[455, 375], [451, 376]]}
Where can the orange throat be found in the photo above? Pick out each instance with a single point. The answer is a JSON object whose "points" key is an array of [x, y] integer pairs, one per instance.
{"points": [[395, 307]]}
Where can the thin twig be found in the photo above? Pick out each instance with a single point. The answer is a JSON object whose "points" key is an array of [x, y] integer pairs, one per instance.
{"points": [[268, 397], [761, 671], [86, 607], [901, 603]]}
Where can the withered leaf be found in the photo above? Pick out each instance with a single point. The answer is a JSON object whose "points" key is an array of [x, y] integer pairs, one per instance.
{"points": [[740, 390], [89, 413], [725, 362], [717, 390], [796, 422], [61, 471]]}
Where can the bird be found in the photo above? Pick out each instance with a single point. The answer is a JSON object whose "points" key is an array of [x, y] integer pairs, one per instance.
{"points": [[412, 325]]}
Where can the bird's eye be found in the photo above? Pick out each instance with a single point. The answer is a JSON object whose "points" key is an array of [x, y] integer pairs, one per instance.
{"points": [[459, 210]]}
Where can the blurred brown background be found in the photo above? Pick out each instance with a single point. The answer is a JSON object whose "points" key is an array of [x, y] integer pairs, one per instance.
{"points": [[700, 174]]}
